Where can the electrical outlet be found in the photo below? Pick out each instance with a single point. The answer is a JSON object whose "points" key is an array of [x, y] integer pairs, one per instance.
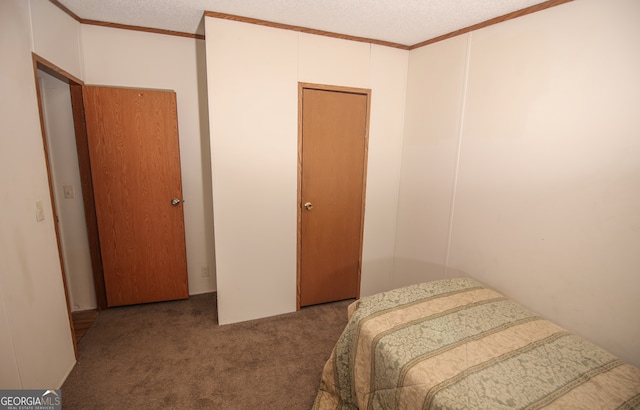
{"points": [[204, 271], [39, 211], [68, 192]]}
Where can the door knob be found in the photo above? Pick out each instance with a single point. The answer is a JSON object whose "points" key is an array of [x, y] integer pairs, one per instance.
{"points": [[309, 206], [175, 202]]}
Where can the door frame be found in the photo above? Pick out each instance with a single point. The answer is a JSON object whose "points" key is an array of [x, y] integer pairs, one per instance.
{"points": [[341, 89], [75, 87]]}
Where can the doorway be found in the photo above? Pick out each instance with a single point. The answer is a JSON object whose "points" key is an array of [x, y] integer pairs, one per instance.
{"points": [[73, 87], [41, 65], [332, 153], [66, 189]]}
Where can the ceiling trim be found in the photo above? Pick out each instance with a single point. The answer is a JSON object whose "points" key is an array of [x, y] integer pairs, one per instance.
{"points": [[307, 30], [491, 22], [66, 10], [124, 26], [510, 16], [145, 29]]}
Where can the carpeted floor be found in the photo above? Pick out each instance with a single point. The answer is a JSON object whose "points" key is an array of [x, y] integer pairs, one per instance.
{"points": [[174, 355]]}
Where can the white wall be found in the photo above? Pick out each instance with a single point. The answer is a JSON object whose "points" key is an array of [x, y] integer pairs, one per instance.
{"points": [[431, 136], [56, 37], [36, 348], [547, 190], [115, 57], [388, 80], [63, 164], [10, 374], [36, 345], [253, 74]]}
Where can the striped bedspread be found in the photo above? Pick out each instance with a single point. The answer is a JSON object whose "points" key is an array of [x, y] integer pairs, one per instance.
{"points": [[455, 344]]}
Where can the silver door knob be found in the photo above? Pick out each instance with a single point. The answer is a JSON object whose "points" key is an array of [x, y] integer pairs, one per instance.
{"points": [[309, 206], [175, 202]]}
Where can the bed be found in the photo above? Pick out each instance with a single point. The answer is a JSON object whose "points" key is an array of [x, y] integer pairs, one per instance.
{"points": [[456, 344]]}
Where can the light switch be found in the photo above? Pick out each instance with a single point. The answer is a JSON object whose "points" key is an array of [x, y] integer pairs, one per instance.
{"points": [[39, 211], [68, 192]]}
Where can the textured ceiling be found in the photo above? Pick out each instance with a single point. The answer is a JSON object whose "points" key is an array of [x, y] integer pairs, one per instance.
{"points": [[398, 21]]}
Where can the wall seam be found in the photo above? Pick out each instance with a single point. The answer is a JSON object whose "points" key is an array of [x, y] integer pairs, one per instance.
{"points": [[83, 70], [401, 167], [463, 107], [33, 43]]}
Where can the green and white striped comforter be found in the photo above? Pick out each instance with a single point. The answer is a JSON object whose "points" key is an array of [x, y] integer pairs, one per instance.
{"points": [[455, 344]]}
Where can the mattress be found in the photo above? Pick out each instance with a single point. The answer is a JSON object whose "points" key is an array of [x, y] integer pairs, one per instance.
{"points": [[456, 344]]}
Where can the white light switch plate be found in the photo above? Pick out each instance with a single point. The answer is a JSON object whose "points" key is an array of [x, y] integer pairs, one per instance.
{"points": [[39, 211]]}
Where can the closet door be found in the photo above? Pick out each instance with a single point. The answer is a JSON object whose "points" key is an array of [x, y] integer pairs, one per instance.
{"points": [[333, 149]]}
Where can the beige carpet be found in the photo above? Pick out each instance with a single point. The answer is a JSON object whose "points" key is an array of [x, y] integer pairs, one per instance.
{"points": [[174, 355]]}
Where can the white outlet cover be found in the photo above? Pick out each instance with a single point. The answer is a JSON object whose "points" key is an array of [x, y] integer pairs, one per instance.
{"points": [[68, 192]]}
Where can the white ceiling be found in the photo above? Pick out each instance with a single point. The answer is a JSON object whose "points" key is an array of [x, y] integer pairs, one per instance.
{"points": [[398, 21]]}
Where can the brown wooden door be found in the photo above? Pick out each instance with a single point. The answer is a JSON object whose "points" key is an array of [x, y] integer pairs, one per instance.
{"points": [[135, 166], [333, 162]]}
